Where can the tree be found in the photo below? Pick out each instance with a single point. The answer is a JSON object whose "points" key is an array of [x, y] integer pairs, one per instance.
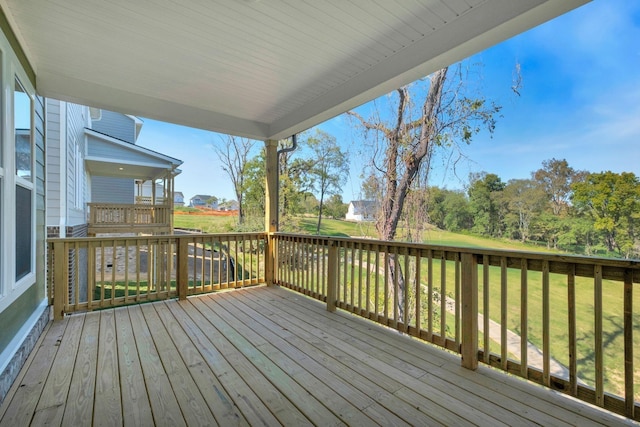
{"points": [[234, 155], [613, 201], [485, 202], [335, 207], [329, 168], [525, 199], [556, 177], [458, 216], [445, 117]]}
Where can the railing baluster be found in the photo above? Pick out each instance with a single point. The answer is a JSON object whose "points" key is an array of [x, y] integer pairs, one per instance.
{"points": [[332, 276], [407, 282], [138, 271], [396, 286], [377, 284], [503, 314], [571, 313], [114, 263], [345, 270], [524, 321], [485, 309], [360, 270], [546, 329], [353, 274], [598, 349], [443, 295], [430, 294], [386, 284], [629, 398], [76, 273], [458, 286], [103, 266], [418, 293], [61, 274], [183, 268], [126, 271]]}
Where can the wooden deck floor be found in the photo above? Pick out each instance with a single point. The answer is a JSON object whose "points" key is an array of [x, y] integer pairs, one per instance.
{"points": [[263, 356]]}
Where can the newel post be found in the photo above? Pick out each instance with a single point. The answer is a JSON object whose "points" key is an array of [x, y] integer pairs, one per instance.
{"points": [[60, 276], [469, 296], [332, 276], [271, 207]]}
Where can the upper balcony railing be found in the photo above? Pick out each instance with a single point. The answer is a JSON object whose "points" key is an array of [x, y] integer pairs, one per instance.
{"points": [[129, 218], [566, 322]]}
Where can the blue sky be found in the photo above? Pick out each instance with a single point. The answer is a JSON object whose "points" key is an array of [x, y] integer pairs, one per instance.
{"points": [[580, 100]]}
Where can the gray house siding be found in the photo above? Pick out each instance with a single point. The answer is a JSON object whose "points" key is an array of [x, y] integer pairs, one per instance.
{"points": [[104, 149], [117, 125], [76, 116], [54, 158], [112, 190]]}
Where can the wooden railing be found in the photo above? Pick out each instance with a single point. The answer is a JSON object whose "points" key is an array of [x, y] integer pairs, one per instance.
{"points": [[91, 273], [118, 218], [566, 322]]}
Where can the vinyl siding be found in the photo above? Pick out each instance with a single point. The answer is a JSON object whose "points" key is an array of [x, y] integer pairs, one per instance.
{"points": [[117, 125], [112, 190], [103, 149], [76, 122], [54, 157]]}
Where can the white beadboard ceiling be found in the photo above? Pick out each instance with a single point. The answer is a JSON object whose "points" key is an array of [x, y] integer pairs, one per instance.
{"points": [[256, 68]]}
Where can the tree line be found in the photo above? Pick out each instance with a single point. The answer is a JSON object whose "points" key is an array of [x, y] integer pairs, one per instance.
{"points": [[557, 206]]}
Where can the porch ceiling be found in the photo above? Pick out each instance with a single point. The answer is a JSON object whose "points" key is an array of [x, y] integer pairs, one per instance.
{"points": [[255, 68]]}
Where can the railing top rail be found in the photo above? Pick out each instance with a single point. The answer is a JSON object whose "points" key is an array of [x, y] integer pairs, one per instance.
{"points": [[157, 237], [508, 253]]}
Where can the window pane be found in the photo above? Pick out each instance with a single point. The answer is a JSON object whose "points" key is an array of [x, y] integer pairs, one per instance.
{"points": [[22, 122], [23, 232]]}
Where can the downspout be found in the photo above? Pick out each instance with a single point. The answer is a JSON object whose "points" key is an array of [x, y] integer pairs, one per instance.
{"points": [[294, 145]]}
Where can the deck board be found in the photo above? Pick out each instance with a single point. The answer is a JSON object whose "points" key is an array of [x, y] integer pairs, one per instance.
{"points": [[263, 356]]}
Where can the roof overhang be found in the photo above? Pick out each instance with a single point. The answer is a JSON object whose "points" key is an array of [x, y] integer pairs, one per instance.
{"points": [[107, 156], [260, 69]]}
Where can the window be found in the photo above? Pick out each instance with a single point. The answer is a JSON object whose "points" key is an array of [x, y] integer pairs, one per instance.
{"points": [[24, 229], [24, 213], [22, 120], [79, 177]]}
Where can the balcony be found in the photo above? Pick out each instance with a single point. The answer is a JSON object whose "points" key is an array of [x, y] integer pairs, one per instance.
{"points": [[269, 355], [129, 218]]}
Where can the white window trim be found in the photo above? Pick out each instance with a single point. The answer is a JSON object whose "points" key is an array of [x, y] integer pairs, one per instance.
{"points": [[10, 70]]}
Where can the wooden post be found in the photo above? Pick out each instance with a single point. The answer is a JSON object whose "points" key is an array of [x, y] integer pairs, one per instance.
{"points": [[183, 267], [332, 276], [61, 274], [271, 207], [469, 297]]}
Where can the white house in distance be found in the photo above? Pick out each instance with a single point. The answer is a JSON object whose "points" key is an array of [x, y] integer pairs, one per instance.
{"points": [[203, 201], [361, 210], [178, 198]]}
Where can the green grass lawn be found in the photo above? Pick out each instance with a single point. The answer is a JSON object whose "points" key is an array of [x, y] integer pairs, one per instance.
{"points": [[206, 223]]}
